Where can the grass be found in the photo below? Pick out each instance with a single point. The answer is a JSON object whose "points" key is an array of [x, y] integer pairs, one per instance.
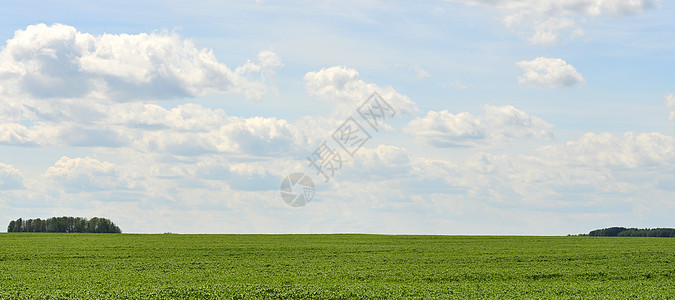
{"points": [[35, 265]]}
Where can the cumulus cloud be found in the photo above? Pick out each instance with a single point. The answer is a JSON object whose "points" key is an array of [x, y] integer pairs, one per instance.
{"points": [[269, 62], [258, 136], [670, 104], [510, 122], [58, 61], [88, 175], [344, 87], [381, 162], [187, 117], [191, 130], [187, 130], [549, 72], [16, 134], [628, 151], [10, 177], [444, 129], [594, 174], [545, 21]]}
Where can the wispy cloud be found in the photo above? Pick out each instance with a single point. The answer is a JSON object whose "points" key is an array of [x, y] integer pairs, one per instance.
{"points": [[670, 104], [553, 21]]}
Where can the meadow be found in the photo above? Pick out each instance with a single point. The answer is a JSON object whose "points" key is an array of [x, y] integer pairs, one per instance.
{"points": [[340, 266]]}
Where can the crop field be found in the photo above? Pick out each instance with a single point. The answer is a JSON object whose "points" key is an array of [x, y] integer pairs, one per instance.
{"points": [[54, 266]]}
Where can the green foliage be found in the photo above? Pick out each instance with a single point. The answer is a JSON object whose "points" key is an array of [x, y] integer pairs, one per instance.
{"points": [[89, 266], [621, 231], [64, 224]]}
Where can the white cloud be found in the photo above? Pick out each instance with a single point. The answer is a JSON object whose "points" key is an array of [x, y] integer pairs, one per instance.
{"points": [[255, 136], [88, 174], [16, 134], [546, 20], [380, 163], [549, 72], [419, 72], [10, 177], [58, 61], [269, 62], [187, 129], [546, 32], [444, 129], [258, 136], [188, 117], [597, 176], [606, 150], [457, 84], [385, 183], [508, 121], [191, 162], [19, 135], [670, 103], [344, 87]]}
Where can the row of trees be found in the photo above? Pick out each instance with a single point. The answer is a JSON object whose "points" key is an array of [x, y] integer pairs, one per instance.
{"points": [[64, 224], [622, 231]]}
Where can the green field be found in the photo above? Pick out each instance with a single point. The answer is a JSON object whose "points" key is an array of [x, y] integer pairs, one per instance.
{"points": [[43, 265]]}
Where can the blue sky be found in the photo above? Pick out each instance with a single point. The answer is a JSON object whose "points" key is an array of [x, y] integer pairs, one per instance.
{"points": [[512, 117]]}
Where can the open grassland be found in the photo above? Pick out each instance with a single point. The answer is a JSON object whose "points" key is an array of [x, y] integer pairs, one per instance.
{"points": [[44, 265]]}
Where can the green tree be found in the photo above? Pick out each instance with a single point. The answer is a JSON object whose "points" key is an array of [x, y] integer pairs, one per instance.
{"points": [[10, 227], [64, 224]]}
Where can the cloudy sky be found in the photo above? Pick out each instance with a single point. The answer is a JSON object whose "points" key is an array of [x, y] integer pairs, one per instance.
{"points": [[543, 117]]}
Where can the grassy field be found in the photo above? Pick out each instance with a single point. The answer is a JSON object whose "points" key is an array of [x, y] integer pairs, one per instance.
{"points": [[333, 266]]}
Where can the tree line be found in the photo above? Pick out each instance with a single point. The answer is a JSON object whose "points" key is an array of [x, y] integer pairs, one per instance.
{"points": [[622, 231], [64, 224]]}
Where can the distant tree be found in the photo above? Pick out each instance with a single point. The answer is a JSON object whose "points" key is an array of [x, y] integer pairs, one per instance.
{"points": [[18, 225], [634, 232], [38, 225], [64, 224], [79, 225], [10, 227]]}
